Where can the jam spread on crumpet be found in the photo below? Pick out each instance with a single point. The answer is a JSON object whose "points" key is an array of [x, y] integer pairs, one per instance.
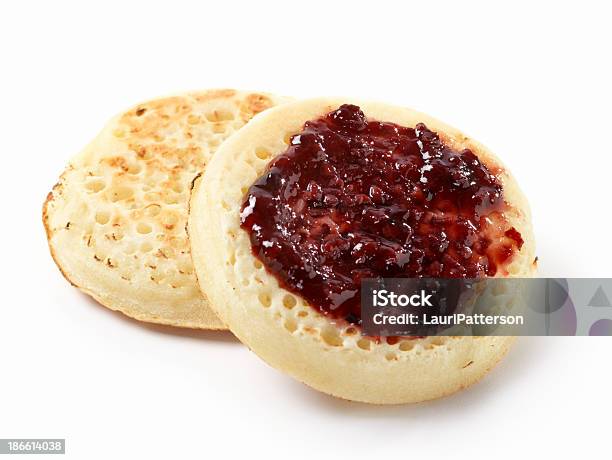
{"points": [[353, 198]]}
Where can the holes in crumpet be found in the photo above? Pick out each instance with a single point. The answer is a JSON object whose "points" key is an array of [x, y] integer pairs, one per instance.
{"points": [[406, 345], [264, 299], [169, 220], [120, 192], [219, 115], [289, 301], [100, 255], [331, 337], [262, 153], [102, 217], [290, 325], [167, 252], [146, 246], [95, 186], [152, 196], [391, 357], [143, 228], [117, 234], [225, 115], [134, 169], [193, 119], [176, 281], [171, 199], [218, 128], [364, 344], [185, 266], [152, 210], [257, 264]]}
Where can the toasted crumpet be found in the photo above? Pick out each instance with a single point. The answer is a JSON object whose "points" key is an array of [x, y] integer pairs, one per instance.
{"points": [[116, 219], [280, 326]]}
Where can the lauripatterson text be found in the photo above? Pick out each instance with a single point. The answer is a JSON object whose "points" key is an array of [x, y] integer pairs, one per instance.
{"points": [[456, 319]]}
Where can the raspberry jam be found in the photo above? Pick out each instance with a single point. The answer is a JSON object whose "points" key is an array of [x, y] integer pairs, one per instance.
{"points": [[353, 198]]}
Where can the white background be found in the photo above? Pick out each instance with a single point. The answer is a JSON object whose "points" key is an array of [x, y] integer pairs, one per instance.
{"points": [[532, 81]]}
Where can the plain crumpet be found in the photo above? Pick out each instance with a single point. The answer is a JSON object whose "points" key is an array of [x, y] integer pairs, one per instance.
{"points": [[116, 219]]}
